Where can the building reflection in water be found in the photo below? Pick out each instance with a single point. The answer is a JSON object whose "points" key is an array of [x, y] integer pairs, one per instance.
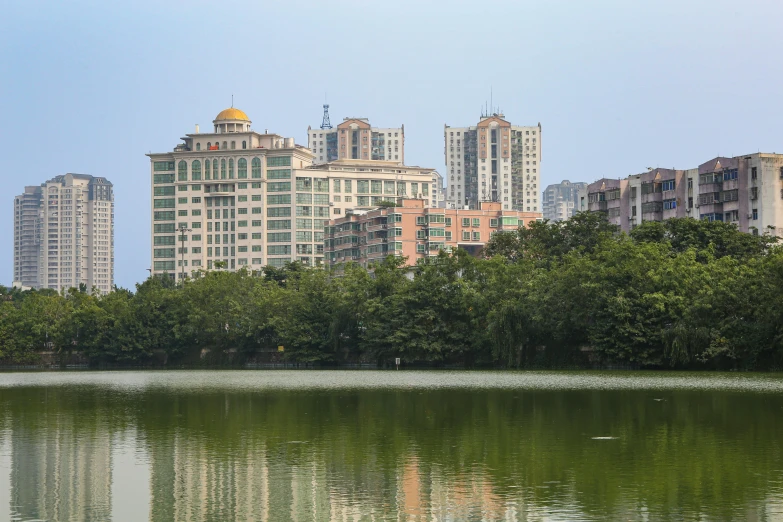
{"points": [[61, 470], [94, 456]]}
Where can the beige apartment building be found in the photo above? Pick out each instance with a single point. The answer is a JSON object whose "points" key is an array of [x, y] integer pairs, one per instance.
{"points": [[355, 138], [64, 234], [415, 231], [493, 161], [237, 198], [744, 190]]}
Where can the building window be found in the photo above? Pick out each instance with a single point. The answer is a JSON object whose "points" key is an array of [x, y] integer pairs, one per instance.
{"points": [[244, 144], [255, 168], [222, 169], [233, 145], [242, 168], [182, 171]]}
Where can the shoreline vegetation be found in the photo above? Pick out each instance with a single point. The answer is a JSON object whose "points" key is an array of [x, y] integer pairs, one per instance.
{"points": [[678, 294]]}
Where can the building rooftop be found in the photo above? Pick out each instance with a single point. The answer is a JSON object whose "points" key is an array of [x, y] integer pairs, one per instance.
{"points": [[231, 113]]}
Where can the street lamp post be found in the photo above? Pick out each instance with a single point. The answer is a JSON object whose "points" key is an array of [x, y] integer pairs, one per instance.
{"points": [[182, 229]]}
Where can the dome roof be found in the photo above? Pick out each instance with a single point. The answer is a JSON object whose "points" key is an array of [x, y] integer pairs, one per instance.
{"points": [[232, 114]]}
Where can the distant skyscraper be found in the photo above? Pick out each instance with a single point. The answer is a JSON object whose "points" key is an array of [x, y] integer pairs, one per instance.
{"points": [[64, 234], [493, 161], [354, 138], [561, 200]]}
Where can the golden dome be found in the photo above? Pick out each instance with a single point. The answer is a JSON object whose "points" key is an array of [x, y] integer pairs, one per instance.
{"points": [[232, 114]]}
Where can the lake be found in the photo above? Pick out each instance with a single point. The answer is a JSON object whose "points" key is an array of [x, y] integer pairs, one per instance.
{"points": [[393, 445]]}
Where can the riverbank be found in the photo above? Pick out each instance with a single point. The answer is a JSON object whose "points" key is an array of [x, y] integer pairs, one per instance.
{"points": [[681, 294]]}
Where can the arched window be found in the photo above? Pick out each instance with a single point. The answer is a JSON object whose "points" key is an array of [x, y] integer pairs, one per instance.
{"points": [[217, 145], [242, 168], [182, 171], [233, 145], [214, 169], [231, 168], [209, 144], [222, 169], [195, 170], [207, 173], [244, 144], [256, 168], [224, 146], [198, 146]]}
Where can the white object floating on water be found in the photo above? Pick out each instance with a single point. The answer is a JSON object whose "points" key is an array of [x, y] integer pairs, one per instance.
{"points": [[659, 400], [604, 438]]}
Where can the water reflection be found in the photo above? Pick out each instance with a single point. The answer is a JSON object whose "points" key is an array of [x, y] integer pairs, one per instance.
{"points": [[88, 447]]}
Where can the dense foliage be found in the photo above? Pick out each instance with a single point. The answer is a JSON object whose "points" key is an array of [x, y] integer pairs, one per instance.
{"points": [[679, 293]]}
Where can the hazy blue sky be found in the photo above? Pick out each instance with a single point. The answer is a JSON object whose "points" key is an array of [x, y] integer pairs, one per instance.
{"points": [[617, 85]]}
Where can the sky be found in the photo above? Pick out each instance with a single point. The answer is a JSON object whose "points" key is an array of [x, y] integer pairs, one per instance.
{"points": [[617, 85]]}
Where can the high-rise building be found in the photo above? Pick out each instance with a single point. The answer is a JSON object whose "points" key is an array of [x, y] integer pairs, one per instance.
{"points": [[355, 138], [561, 200], [64, 234], [234, 198], [745, 190], [493, 161]]}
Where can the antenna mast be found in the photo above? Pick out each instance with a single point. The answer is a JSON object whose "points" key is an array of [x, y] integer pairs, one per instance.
{"points": [[326, 124]]}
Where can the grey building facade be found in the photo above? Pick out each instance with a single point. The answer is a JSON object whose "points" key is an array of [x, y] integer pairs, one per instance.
{"points": [[560, 201], [744, 190]]}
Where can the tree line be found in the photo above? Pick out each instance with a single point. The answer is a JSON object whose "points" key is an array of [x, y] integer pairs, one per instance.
{"points": [[682, 293]]}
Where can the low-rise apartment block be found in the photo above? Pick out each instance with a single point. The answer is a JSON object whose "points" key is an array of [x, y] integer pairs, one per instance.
{"points": [[355, 138], [745, 190], [412, 230], [237, 198], [64, 234], [561, 200], [493, 161]]}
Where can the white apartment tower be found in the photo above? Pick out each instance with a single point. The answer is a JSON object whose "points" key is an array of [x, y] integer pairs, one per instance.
{"points": [[64, 234], [493, 161], [355, 138], [235, 198]]}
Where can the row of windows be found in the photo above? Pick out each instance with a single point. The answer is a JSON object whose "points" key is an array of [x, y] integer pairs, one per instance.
{"points": [[224, 169]]}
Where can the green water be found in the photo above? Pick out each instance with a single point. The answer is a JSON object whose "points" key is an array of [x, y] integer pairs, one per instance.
{"points": [[307, 445]]}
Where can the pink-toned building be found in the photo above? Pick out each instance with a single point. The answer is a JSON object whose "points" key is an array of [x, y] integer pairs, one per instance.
{"points": [[415, 231]]}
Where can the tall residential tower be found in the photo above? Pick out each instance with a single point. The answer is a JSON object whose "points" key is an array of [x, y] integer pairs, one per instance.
{"points": [[493, 161], [64, 234], [354, 138]]}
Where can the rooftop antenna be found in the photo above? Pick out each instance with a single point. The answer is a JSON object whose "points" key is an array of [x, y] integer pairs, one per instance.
{"points": [[326, 124]]}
